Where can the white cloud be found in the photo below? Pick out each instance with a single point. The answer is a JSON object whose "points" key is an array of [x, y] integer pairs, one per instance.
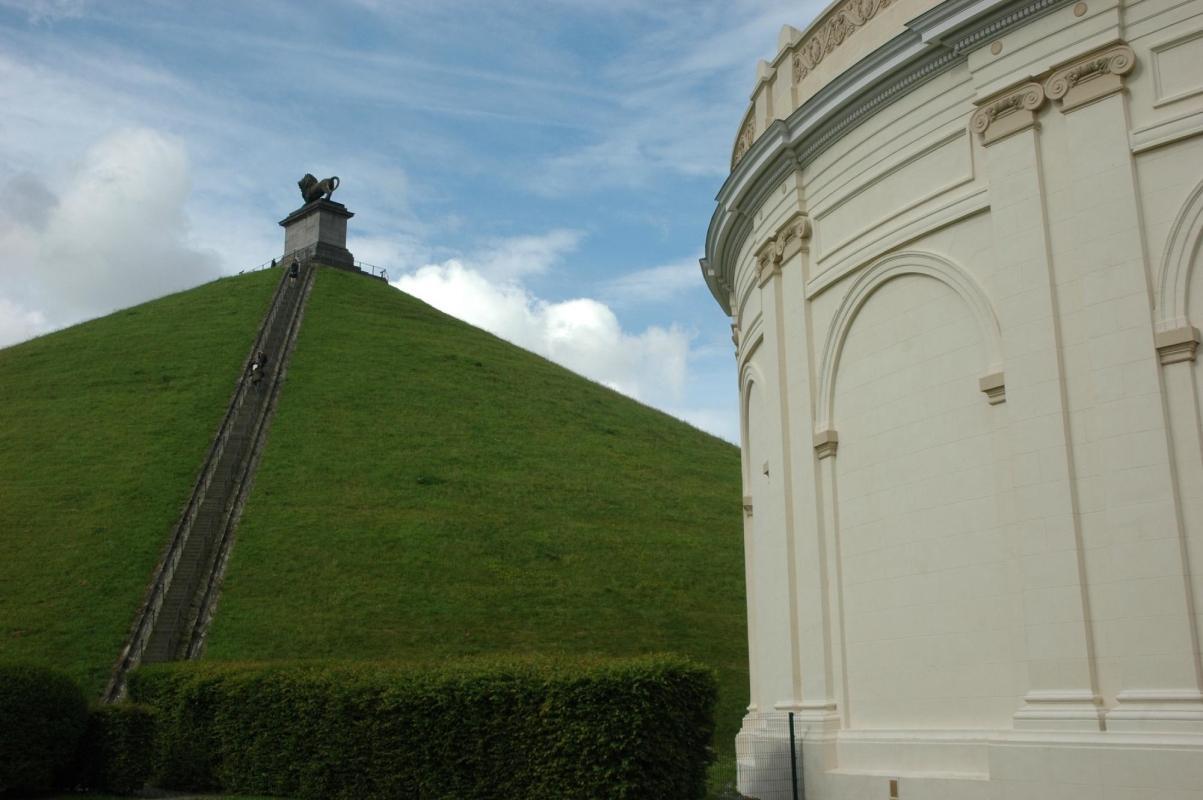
{"points": [[518, 256], [113, 234], [655, 283], [18, 324], [583, 335]]}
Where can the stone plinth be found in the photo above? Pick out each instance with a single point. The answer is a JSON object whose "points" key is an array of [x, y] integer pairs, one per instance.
{"points": [[318, 231]]}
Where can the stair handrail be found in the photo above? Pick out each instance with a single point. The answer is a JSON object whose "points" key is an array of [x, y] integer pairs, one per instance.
{"points": [[144, 620], [255, 439]]}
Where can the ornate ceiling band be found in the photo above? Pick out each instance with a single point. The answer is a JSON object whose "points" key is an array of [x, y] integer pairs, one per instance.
{"points": [[789, 239], [824, 38], [1091, 76], [1009, 111]]}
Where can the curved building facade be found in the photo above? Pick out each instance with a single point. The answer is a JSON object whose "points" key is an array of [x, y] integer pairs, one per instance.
{"points": [[961, 246]]}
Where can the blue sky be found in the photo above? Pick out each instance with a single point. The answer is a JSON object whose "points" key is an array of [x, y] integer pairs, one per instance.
{"points": [[544, 169]]}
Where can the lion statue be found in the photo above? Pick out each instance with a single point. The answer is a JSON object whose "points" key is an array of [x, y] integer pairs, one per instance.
{"points": [[313, 189]]}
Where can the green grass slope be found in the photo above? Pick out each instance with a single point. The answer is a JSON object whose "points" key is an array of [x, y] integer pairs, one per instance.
{"points": [[103, 428], [429, 491]]}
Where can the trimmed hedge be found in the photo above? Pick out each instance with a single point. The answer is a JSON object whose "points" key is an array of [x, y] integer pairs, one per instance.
{"points": [[118, 748], [638, 728], [42, 716]]}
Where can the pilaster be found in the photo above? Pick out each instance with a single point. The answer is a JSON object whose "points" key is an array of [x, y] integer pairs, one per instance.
{"points": [[1062, 690], [785, 247], [1139, 581], [818, 710]]}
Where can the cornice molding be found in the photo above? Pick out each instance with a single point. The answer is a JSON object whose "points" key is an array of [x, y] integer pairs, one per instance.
{"points": [[933, 42], [1089, 77]]}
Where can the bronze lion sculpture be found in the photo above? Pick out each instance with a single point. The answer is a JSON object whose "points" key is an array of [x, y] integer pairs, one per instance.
{"points": [[313, 189]]}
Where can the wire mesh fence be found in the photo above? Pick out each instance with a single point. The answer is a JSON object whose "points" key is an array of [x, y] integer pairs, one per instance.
{"points": [[770, 761]]}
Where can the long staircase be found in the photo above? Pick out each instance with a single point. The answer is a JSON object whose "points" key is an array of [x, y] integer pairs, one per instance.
{"points": [[179, 604]]}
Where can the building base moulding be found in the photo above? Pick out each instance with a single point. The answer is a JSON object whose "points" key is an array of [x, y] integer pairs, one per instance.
{"points": [[1069, 709], [970, 764], [1154, 710]]}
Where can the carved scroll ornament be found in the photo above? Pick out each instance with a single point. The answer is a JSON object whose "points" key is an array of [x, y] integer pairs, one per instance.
{"points": [[1093, 76], [743, 142], [1007, 113], [773, 252], [822, 40]]}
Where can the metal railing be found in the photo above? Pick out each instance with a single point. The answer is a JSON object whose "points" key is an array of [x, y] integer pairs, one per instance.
{"points": [[148, 612], [770, 766], [371, 269], [379, 272]]}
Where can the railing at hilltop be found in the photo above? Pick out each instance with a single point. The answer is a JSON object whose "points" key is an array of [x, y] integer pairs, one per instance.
{"points": [[371, 269]]}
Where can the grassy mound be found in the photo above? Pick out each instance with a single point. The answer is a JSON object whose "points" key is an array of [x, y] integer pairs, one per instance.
{"points": [[103, 428], [429, 491]]}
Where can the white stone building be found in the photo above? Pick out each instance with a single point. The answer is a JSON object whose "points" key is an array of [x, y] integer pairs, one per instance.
{"points": [[962, 250]]}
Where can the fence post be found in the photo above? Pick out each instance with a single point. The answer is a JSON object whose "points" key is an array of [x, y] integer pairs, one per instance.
{"points": [[793, 757]]}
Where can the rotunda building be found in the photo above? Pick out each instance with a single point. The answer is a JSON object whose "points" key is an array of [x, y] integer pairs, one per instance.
{"points": [[961, 248]]}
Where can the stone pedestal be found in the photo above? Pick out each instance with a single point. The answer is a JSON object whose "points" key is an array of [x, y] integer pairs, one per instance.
{"points": [[317, 231]]}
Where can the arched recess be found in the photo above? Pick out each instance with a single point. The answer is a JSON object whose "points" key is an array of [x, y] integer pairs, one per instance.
{"points": [[749, 376], [766, 546], [1186, 237], [870, 280]]}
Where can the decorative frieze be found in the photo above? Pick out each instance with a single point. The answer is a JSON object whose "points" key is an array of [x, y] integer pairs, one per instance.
{"points": [[1007, 112], [743, 142], [1090, 77], [789, 239], [824, 38], [1179, 344]]}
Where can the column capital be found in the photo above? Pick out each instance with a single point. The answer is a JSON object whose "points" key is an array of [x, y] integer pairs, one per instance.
{"points": [[1006, 112], [1091, 76], [789, 238]]}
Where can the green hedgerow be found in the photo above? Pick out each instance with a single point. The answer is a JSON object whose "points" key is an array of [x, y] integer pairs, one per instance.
{"points": [[629, 729], [118, 747], [42, 716]]}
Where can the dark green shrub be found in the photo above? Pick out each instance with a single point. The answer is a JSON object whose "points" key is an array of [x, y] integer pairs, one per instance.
{"points": [[631, 729], [42, 716], [118, 747]]}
